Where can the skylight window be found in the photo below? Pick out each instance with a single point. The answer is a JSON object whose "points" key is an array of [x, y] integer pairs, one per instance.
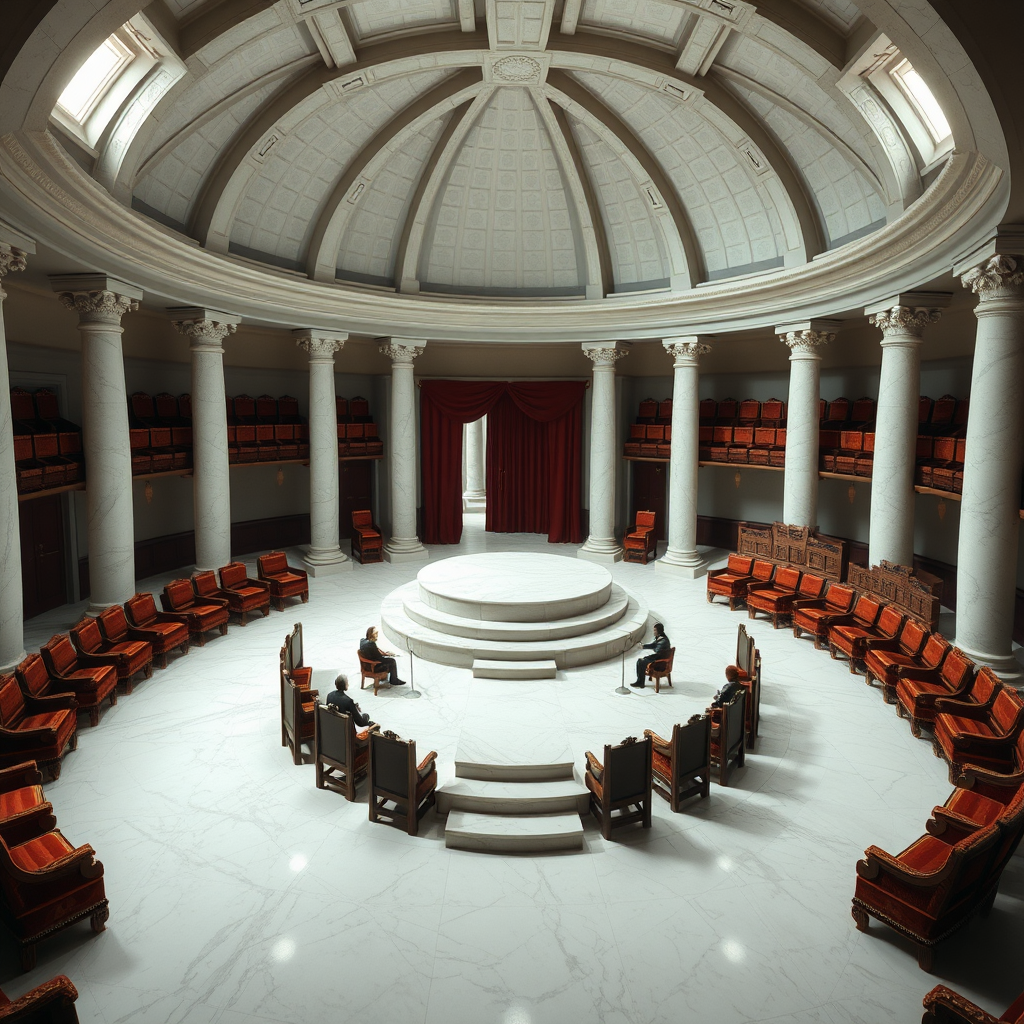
{"points": [[920, 96], [95, 76]]}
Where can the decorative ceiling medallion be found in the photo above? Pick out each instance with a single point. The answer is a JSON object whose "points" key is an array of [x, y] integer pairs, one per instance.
{"points": [[517, 68]]}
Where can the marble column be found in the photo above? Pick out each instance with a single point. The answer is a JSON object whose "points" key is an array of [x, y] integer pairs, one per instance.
{"points": [[404, 544], [12, 636], [989, 510], [100, 302], [682, 557], [602, 545], [206, 330], [800, 486], [892, 474], [324, 557], [475, 497]]}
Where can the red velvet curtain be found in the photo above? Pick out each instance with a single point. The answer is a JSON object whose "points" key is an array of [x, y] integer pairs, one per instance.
{"points": [[533, 456]]}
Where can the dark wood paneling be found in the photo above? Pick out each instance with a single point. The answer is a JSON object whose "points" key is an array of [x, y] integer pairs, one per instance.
{"points": [[355, 491], [718, 532], [43, 575], [649, 480], [268, 534]]}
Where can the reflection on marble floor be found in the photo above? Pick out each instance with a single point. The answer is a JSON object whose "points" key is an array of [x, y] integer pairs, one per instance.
{"points": [[239, 892]]}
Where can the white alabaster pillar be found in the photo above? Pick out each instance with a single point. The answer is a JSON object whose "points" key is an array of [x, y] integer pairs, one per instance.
{"points": [[892, 473], [100, 303], [602, 545], [206, 330], [404, 544], [324, 556], [989, 509], [476, 476], [12, 636], [800, 486], [682, 557]]}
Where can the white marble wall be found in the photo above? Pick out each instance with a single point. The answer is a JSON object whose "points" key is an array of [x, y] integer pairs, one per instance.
{"points": [[100, 303]]}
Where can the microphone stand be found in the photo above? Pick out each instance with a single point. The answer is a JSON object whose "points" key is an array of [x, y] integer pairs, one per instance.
{"points": [[622, 688], [412, 693]]}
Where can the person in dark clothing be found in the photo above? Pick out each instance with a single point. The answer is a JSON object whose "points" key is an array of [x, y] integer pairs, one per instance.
{"points": [[339, 698], [659, 645], [731, 688], [382, 660]]}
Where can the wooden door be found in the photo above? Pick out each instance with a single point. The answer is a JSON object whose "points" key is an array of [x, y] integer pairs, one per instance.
{"points": [[649, 485], [355, 482], [43, 572]]}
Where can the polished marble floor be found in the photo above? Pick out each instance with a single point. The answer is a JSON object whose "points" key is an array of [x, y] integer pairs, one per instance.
{"points": [[239, 892]]}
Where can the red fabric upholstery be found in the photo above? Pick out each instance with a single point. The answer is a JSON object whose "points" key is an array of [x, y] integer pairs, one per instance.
{"points": [[91, 684], [143, 622], [775, 598], [731, 582], [52, 1002], [127, 657], [243, 595], [27, 734], [987, 740], [918, 688], [284, 580], [178, 596], [885, 661]]}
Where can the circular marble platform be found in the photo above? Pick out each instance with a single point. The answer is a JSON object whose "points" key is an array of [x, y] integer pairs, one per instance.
{"points": [[514, 607]]}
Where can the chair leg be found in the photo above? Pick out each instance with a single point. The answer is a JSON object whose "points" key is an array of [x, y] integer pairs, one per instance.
{"points": [[224, 629], [94, 716], [99, 919], [28, 957]]}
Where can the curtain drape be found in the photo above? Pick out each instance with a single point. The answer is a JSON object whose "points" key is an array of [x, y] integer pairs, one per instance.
{"points": [[533, 456]]}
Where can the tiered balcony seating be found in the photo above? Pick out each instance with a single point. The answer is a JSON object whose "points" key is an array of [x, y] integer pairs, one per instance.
{"points": [[164, 630], [24, 812], [681, 767], [91, 684], [32, 730], [160, 437], [244, 595], [620, 786], [178, 597], [401, 791], [817, 616], [47, 447], [846, 437], [942, 443], [944, 1006], [53, 1002], [284, 580], [367, 541], [884, 659], [918, 690], [128, 657], [639, 544], [776, 598], [978, 734], [357, 433], [731, 582]]}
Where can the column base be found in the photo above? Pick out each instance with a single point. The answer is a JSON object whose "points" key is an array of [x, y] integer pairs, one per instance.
{"points": [[1006, 666], [474, 503], [406, 551], [326, 563], [687, 565], [8, 669], [600, 551]]}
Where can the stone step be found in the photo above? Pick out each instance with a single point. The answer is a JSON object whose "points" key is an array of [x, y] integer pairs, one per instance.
{"points": [[500, 756], [520, 798], [514, 669], [499, 833]]}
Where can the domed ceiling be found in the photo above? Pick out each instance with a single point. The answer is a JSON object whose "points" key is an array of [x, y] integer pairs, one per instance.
{"points": [[521, 147]]}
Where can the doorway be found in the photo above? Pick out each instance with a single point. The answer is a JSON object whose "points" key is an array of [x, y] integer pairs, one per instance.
{"points": [[44, 582], [649, 487]]}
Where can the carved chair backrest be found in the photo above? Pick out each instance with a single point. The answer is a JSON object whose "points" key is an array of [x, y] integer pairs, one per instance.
{"points": [[787, 578], [142, 405], [840, 597], [627, 769], [33, 676], [245, 407], [1007, 712], [935, 650], [727, 409], [179, 594], [867, 610], [292, 706], [890, 621], [691, 745], [838, 410], [741, 565], [141, 608], [644, 519], [205, 583], [986, 687], [362, 517], [391, 761], [166, 406], [957, 668], [811, 585], [113, 623], [12, 703], [744, 649], [275, 562], [288, 406], [763, 571], [59, 655], [913, 637], [336, 733], [734, 724], [86, 636], [664, 664], [233, 575], [293, 649], [266, 407], [863, 410]]}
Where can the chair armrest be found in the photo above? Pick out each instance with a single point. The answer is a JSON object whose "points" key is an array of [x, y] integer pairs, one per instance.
{"points": [[881, 643], [97, 659], [954, 1008], [28, 825], [949, 825], [658, 741], [81, 861], [52, 701], [984, 743], [31, 1005], [726, 571], [20, 775], [212, 599], [972, 774], [760, 585], [809, 602], [26, 738], [424, 765], [961, 708], [877, 862], [261, 584], [594, 766]]}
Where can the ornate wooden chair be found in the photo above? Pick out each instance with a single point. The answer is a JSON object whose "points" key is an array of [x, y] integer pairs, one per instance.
{"points": [[90, 684], [775, 598], [661, 669], [128, 657], [164, 630], [816, 616], [933, 888], [367, 542], [31, 730], [53, 1002], [116, 629], [890, 666], [244, 595], [852, 638], [338, 748], [284, 581], [294, 672], [396, 779], [367, 671], [297, 722], [995, 783], [728, 737], [24, 812], [620, 787], [639, 544], [918, 689], [48, 885], [35, 682], [203, 616], [883, 660], [944, 1006], [752, 713], [681, 767], [731, 582], [206, 589], [979, 735]]}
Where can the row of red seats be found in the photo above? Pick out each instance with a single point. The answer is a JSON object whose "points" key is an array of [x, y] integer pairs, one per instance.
{"points": [[937, 883], [266, 429], [159, 432], [47, 447]]}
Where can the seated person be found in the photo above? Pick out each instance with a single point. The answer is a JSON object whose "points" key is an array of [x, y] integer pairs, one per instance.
{"points": [[660, 646], [339, 698], [382, 660], [731, 688]]}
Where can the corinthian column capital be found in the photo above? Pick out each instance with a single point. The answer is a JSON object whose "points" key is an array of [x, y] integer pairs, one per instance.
{"points": [[401, 351], [687, 350], [320, 346], [999, 275], [903, 321], [206, 329], [605, 354], [97, 298]]}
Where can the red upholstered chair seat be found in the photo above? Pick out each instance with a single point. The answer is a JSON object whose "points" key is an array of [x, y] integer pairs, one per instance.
{"points": [[243, 595], [731, 582], [161, 636], [885, 659], [24, 811], [816, 616], [20, 800], [91, 685], [918, 689], [284, 580], [853, 639], [127, 657], [775, 598], [30, 732], [203, 616], [983, 736]]}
